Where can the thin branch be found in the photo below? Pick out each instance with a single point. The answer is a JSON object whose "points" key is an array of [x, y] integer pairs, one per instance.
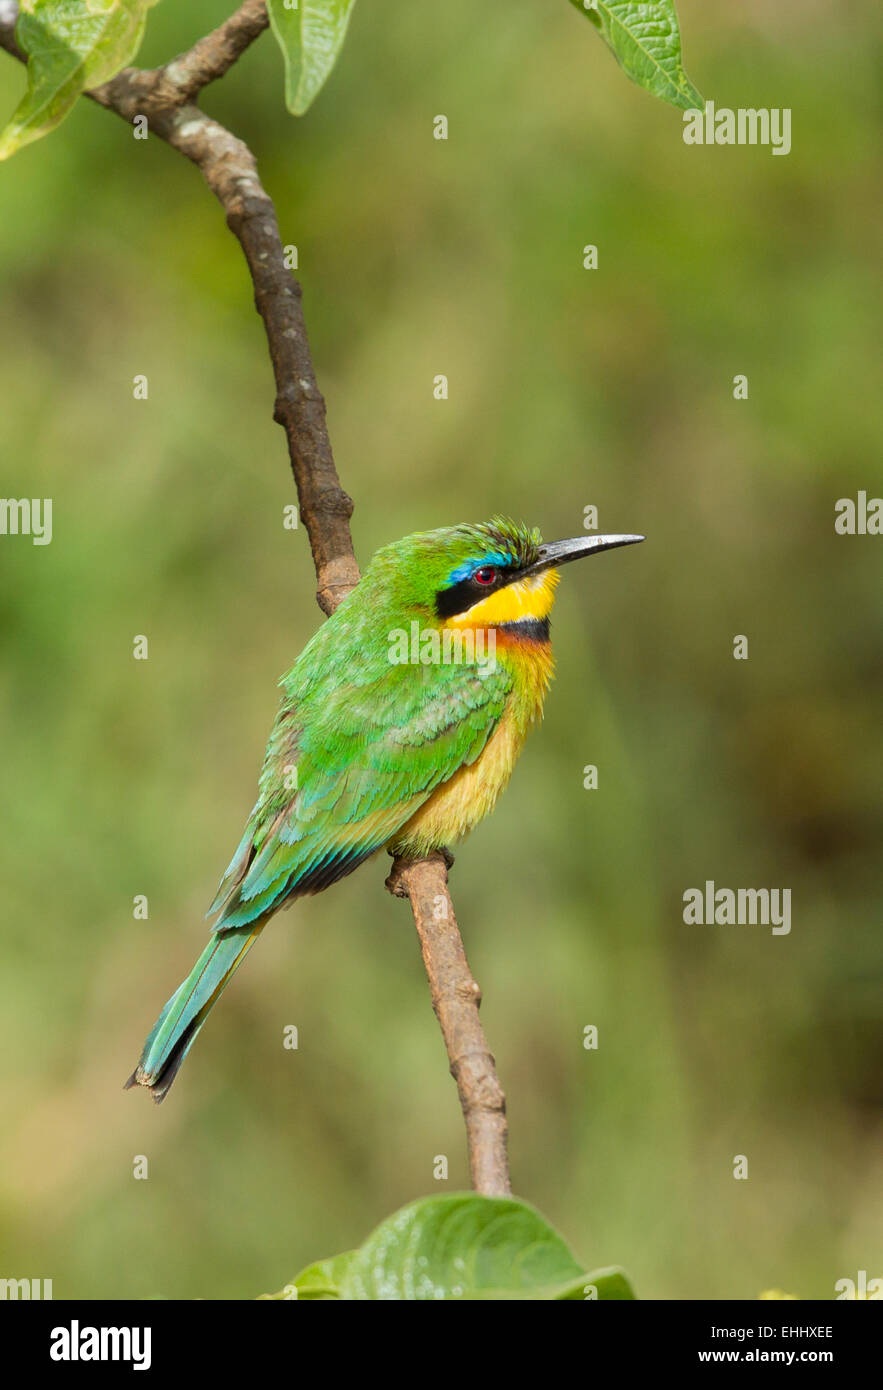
{"points": [[214, 55], [230, 170], [8, 17], [165, 96], [456, 998]]}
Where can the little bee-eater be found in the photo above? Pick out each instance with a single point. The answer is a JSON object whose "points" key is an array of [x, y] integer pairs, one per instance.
{"points": [[373, 748]]}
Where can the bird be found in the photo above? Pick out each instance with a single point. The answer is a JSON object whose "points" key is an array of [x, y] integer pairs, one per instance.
{"points": [[398, 727]]}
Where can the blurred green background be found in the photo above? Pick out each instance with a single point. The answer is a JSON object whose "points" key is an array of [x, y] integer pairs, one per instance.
{"points": [[567, 388]]}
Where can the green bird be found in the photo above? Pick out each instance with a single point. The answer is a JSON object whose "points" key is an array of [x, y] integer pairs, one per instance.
{"points": [[399, 726]]}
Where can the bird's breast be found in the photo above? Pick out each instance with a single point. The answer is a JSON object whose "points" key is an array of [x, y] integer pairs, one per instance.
{"points": [[456, 806]]}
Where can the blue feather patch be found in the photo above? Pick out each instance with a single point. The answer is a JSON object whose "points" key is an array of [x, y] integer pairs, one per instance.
{"points": [[468, 567]]}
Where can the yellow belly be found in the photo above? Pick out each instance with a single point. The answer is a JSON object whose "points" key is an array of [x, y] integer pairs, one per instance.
{"points": [[472, 792], [466, 798]]}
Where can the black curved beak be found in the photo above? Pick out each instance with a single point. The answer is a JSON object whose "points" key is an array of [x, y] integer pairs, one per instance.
{"points": [[558, 553]]}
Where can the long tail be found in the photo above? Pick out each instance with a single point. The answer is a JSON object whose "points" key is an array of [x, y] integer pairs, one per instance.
{"points": [[176, 1028]]}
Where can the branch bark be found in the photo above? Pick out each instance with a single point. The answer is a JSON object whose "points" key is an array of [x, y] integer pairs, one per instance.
{"points": [[166, 96], [455, 998]]}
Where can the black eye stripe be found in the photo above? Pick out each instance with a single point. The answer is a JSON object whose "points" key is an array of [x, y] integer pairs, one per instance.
{"points": [[459, 597]]}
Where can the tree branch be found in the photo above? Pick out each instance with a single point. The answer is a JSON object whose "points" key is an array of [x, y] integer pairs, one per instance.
{"points": [[214, 55], [455, 998], [162, 95], [166, 97]]}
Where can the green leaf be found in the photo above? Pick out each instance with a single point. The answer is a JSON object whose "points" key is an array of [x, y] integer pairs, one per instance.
{"points": [[646, 42], [318, 1281], [459, 1246], [311, 35], [71, 45]]}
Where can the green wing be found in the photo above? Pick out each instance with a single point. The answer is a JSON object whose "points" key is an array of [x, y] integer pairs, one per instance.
{"points": [[348, 762]]}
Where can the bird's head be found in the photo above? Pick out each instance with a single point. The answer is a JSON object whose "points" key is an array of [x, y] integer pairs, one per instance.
{"points": [[494, 573]]}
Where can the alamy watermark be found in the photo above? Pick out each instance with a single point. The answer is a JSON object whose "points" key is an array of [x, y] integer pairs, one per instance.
{"points": [[470, 646], [859, 1288], [27, 516], [76, 1343], [738, 907], [745, 126], [862, 516], [26, 1289]]}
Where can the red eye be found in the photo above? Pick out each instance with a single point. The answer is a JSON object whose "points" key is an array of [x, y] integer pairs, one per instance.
{"points": [[486, 575]]}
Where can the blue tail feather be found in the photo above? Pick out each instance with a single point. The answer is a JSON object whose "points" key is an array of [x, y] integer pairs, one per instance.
{"points": [[174, 1032]]}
